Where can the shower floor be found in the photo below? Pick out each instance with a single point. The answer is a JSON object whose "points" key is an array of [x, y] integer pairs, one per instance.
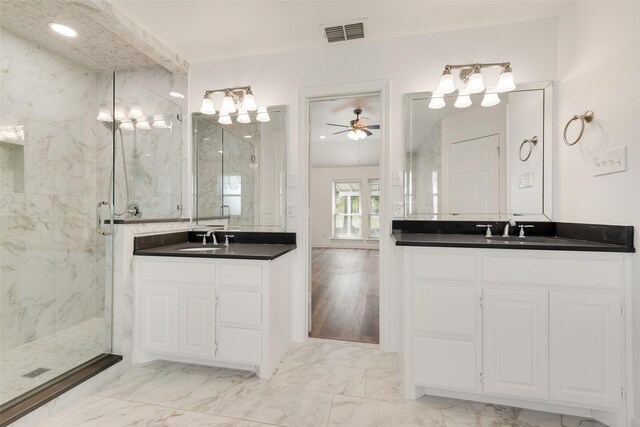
{"points": [[55, 353]]}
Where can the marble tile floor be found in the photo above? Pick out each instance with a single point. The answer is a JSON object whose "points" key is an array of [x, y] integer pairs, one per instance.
{"points": [[58, 352], [319, 383]]}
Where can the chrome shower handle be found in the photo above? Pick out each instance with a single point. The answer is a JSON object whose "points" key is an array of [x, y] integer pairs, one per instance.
{"points": [[99, 218]]}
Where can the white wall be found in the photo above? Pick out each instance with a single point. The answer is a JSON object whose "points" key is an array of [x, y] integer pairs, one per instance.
{"points": [[410, 64], [321, 204], [599, 64]]}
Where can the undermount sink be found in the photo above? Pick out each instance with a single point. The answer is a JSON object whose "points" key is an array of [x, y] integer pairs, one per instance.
{"points": [[202, 248], [506, 238], [526, 239]]}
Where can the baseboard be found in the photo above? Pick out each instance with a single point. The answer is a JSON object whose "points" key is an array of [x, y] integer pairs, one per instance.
{"points": [[635, 422]]}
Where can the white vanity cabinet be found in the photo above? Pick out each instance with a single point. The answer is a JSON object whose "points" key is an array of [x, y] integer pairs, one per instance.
{"points": [[215, 311], [535, 329]]}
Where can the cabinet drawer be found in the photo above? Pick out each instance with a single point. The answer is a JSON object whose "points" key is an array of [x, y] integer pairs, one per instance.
{"points": [[452, 267], [177, 271], [235, 275], [239, 345], [445, 363], [445, 310], [237, 308]]}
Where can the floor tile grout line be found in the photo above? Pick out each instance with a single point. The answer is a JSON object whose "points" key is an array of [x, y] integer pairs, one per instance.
{"points": [[333, 398]]}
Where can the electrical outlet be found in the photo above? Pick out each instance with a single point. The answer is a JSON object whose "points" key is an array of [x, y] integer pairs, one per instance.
{"points": [[610, 162], [398, 209], [291, 209]]}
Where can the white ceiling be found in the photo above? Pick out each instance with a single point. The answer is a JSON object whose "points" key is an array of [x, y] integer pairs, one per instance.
{"points": [[216, 29], [338, 150]]}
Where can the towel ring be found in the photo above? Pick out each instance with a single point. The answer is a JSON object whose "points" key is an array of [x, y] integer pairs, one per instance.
{"points": [[530, 143], [586, 117]]}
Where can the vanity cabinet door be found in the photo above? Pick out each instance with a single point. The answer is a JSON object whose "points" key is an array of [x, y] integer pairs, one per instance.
{"points": [[159, 319], [586, 349], [516, 343], [196, 321]]}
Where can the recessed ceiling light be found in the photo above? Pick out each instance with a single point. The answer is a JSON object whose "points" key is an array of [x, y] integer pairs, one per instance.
{"points": [[322, 137], [63, 30], [247, 136], [176, 94]]}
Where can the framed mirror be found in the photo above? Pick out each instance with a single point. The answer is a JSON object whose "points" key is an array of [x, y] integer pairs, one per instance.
{"points": [[479, 162], [240, 170]]}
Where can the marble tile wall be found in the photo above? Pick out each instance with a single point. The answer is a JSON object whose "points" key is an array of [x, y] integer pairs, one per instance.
{"points": [[52, 259], [424, 161]]}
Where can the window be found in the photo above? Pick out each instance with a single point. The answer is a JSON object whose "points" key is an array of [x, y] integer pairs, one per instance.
{"points": [[346, 210], [374, 208]]}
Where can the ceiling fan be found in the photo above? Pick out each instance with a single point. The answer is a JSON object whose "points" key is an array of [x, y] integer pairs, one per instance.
{"points": [[358, 128]]}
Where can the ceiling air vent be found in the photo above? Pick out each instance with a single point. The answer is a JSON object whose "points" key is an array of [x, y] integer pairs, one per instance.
{"points": [[344, 32]]}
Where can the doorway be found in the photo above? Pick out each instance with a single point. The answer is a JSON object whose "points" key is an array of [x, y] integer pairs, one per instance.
{"points": [[344, 228]]}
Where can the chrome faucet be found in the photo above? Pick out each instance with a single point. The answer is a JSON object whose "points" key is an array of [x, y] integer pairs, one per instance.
{"points": [[207, 234], [505, 232]]}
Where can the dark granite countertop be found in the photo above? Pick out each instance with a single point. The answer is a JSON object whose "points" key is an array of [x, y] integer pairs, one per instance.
{"points": [[548, 236], [244, 245]]}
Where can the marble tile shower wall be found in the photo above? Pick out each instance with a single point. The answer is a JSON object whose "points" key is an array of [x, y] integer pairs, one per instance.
{"points": [[425, 160], [52, 259]]}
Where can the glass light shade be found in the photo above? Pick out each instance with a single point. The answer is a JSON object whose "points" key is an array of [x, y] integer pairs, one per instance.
{"points": [[119, 113], [446, 84], [476, 83], [262, 116], [135, 112], [224, 119], [227, 105], [243, 117], [436, 103], [143, 124], [360, 134], [127, 126], [207, 106], [159, 122], [463, 100], [490, 99], [104, 115], [352, 135], [249, 103], [505, 82]]}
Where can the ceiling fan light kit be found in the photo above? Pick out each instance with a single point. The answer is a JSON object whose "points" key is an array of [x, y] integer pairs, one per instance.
{"points": [[240, 99], [358, 128], [471, 76]]}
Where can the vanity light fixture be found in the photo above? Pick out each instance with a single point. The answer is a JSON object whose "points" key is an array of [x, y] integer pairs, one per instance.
{"points": [[119, 113], [104, 115], [490, 99], [239, 99], [135, 112], [159, 122], [142, 124], [63, 30], [471, 76], [127, 126]]}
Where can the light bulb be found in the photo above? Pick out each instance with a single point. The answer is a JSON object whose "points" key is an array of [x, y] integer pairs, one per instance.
{"points": [[104, 115], [249, 103], [135, 112], [243, 117], [159, 122], [490, 99], [224, 119], [446, 82], [505, 81], [436, 102], [126, 126], [119, 113], [143, 124], [262, 116], [360, 134], [476, 83], [207, 106], [352, 135], [463, 100], [227, 104]]}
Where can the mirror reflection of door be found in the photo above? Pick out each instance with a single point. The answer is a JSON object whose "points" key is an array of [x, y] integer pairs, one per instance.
{"points": [[474, 175]]}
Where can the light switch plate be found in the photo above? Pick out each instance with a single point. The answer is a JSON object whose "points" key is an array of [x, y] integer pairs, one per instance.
{"points": [[291, 179], [398, 178], [398, 209], [611, 161]]}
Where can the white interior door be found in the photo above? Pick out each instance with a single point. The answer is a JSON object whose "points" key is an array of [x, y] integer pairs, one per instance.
{"points": [[474, 175]]}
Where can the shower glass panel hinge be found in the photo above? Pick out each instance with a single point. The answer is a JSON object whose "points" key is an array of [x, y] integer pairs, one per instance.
{"points": [[481, 301], [179, 117], [481, 377]]}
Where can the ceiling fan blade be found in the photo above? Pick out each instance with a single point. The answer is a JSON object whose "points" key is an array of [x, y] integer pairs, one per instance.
{"points": [[373, 127], [333, 124], [342, 131], [367, 132]]}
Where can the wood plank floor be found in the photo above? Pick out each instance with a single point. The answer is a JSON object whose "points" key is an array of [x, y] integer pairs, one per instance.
{"points": [[345, 294]]}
